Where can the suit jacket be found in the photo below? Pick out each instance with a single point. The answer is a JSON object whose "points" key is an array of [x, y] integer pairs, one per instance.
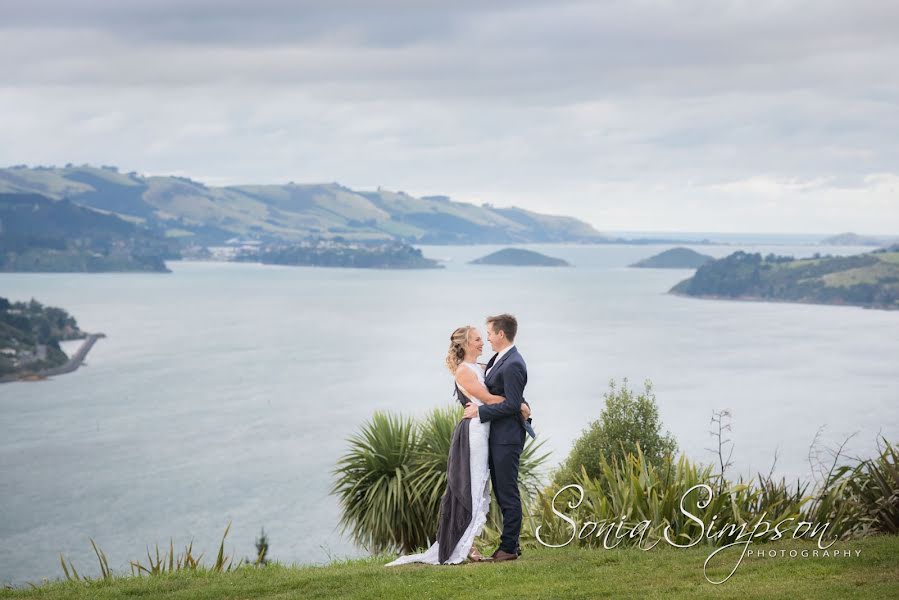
{"points": [[506, 378]]}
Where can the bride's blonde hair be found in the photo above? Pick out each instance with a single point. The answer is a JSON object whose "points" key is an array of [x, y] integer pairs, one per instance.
{"points": [[458, 346]]}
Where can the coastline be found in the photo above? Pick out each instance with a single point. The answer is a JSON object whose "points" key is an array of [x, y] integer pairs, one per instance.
{"points": [[779, 301], [75, 361]]}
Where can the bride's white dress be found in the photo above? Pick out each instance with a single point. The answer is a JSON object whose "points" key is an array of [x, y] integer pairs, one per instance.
{"points": [[478, 433]]}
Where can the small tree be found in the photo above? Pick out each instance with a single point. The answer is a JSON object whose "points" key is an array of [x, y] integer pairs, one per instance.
{"points": [[626, 420]]}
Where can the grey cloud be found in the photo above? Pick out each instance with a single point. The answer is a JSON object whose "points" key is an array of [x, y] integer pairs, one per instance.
{"points": [[259, 23], [539, 103], [531, 52]]}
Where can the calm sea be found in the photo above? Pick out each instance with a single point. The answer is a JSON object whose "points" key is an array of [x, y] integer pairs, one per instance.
{"points": [[225, 392]]}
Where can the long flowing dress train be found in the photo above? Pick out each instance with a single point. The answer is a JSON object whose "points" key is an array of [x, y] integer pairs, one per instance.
{"points": [[461, 517]]}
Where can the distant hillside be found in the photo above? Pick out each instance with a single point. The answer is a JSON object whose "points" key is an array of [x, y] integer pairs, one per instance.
{"points": [[516, 257], [854, 239], [206, 215], [39, 234], [675, 258], [870, 280]]}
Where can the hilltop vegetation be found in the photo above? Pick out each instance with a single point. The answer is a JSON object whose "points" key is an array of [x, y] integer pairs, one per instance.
{"points": [[870, 280], [39, 234], [290, 212]]}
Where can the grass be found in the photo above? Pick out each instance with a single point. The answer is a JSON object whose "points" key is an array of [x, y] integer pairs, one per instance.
{"points": [[801, 262], [40, 181], [869, 274], [540, 573]]}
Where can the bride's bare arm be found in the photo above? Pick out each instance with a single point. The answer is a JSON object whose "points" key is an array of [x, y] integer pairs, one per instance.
{"points": [[467, 379]]}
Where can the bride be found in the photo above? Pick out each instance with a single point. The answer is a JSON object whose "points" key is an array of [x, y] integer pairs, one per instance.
{"points": [[463, 509]]}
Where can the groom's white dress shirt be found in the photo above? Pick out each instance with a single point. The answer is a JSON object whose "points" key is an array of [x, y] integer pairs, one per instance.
{"points": [[498, 357]]}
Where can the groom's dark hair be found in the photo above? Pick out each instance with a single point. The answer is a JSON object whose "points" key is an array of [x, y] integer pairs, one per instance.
{"points": [[505, 323]]}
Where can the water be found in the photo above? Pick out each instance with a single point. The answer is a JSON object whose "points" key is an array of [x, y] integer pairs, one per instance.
{"points": [[225, 392], [772, 239]]}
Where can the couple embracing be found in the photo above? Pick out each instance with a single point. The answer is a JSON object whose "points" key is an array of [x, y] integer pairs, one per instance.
{"points": [[486, 446]]}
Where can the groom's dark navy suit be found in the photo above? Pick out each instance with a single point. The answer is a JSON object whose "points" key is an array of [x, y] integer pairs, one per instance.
{"points": [[506, 378]]}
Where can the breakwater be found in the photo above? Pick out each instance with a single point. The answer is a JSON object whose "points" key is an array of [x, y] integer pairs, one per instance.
{"points": [[72, 364]]}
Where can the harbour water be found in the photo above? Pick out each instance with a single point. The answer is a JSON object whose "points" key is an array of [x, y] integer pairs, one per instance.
{"points": [[225, 392]]}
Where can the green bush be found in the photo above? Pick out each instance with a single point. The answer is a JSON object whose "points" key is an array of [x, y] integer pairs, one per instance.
{"points": [[373, 485], [626, 421]]}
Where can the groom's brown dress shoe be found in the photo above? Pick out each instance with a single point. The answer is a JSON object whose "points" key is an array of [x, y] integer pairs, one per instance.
{"points": [[500, 556]]}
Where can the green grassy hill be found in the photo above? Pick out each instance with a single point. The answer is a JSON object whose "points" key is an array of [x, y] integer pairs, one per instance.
{"points": [[205, 214], [870, 280], [871, 571]]}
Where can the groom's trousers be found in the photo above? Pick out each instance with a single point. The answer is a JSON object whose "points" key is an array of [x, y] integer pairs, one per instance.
{"points": [[503, 462]]}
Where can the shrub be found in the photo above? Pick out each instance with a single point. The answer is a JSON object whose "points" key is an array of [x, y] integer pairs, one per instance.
{"points": [[626, 421]]}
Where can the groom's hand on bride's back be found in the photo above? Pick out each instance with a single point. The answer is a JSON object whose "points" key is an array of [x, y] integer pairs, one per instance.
{"points": [[471, 411]]}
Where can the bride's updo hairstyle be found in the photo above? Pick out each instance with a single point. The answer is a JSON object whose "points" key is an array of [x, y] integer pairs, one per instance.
{"points": [[458, 346]]}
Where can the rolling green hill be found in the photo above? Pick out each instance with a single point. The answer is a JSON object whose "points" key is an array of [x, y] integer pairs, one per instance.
{"points": [[870, 280], [206, 215]]}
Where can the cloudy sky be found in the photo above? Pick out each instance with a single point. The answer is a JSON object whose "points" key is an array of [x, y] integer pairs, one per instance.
{"points": [[751, 116]]}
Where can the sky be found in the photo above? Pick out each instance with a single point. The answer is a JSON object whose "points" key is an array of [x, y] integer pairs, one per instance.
{"points": [[724, 116]]}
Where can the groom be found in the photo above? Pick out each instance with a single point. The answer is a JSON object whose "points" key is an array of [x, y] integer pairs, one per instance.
{"points": [[506, 376]]}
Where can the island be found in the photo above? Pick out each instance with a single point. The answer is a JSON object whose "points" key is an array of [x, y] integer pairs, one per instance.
{"points": [[675, 258], [854, 239], [869, 280], [29, 341], [38, 234], [331, 253], [516, 257]]}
